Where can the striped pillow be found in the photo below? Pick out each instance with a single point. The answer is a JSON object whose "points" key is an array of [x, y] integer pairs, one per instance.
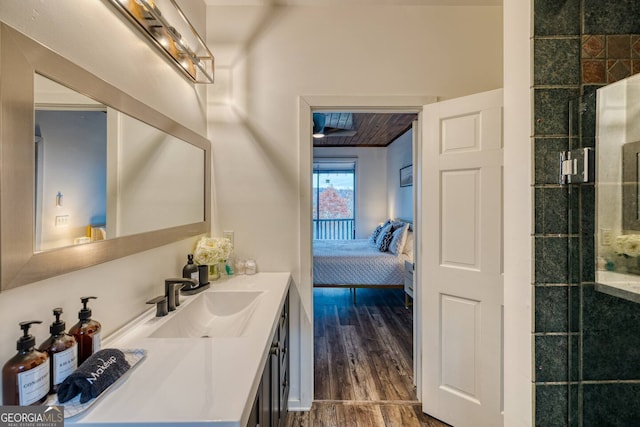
{"points": [[376, 232]]}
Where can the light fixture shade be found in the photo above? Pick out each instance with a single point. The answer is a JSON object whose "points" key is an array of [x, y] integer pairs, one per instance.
{"points": [[319, 121], [169, 30]]}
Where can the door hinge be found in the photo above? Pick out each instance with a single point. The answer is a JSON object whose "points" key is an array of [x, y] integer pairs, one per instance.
{"points": [[576, 166]]}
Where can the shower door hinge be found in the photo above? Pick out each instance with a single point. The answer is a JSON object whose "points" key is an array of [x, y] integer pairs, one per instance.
{"points": [[576, 166]]}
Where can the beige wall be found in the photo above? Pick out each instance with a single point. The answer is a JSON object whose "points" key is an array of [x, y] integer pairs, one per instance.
{"points": [[518, 368], [271, 56], [91, 34]]}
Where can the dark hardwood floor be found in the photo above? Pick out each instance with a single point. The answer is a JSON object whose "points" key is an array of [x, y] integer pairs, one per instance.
{"points": [[363, 362]]}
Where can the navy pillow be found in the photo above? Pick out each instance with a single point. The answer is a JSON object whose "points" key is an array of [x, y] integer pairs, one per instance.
{"points": [[384, 239], [376, 233]]}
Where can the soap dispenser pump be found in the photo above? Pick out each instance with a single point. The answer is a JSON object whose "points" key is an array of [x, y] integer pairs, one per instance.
{"points": [[63, 351], [190, 270], [25, 377], [86, 332]]}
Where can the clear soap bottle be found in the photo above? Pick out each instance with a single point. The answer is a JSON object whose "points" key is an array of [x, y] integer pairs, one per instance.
{"points": [[62, 350], [86, 332], [25, 377]]}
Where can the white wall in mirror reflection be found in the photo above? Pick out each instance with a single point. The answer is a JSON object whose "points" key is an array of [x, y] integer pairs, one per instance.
{"points": [[118, 176]]}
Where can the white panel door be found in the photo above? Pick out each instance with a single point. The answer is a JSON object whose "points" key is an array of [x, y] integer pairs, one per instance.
{"points": [[462, 260]]}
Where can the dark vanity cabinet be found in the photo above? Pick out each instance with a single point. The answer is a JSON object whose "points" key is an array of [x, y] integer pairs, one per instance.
{"points": [[270, 405]]}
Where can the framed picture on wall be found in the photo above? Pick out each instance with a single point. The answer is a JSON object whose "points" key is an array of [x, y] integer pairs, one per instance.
{"points": [[406, 176]]}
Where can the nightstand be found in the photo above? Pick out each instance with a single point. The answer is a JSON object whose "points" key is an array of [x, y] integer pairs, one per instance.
{"points": [[408, 282]]}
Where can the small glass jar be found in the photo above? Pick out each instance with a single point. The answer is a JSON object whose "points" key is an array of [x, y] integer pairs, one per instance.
{"points": [[250, 267], [240, 266]]}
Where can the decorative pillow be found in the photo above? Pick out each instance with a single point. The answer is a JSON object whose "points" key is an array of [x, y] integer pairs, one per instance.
{"points": [[384, 238], [408, 244], [376, 232], [398, 237], [397, 224]]}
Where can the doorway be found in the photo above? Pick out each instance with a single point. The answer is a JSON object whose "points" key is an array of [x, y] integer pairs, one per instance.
{"points": [[365, 104]]}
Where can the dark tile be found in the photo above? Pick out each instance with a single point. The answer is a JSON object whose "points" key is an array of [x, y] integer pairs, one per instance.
{"points": [[594, 46], [557, 61], [575, 264], [611, 405], [551, 358], [552, 209], [588, 113], [619, 46], [551, 109], [635, 46], [553, 17], [551, 259], [611, 354], [552, 404], [618, 69], [551, 308], [635, 66], [574, 313], [594, 71], [611, 337], [604, 311], [611, 17], [587, 232], [547, 159]]}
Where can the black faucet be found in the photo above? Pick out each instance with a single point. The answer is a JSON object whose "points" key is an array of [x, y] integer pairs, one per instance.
{"points": [[172, 290]]}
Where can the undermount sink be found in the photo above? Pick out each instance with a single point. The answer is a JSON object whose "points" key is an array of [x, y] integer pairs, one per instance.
{"points": [[213, 314]]}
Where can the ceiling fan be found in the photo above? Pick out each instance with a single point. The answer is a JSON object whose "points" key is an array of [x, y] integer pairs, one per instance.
{"points": [[333, 124]]}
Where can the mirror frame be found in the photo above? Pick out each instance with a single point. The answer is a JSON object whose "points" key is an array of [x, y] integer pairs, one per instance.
{"points": [[20, 58]]}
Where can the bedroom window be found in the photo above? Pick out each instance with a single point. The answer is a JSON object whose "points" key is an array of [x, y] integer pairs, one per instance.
{"points": [[334, 184]]}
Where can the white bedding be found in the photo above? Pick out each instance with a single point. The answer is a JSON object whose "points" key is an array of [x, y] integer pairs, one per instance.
{"points": [[355, 262]]}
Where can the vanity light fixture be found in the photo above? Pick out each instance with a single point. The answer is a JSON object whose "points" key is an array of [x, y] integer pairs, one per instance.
{"points": [[172, 33]]}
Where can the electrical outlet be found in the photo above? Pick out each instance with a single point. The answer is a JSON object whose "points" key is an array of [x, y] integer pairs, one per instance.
{"points": [[62, 220], [607, 236], [228, 235]]}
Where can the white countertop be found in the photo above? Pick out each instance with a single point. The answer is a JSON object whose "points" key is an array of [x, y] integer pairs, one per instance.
{"points": [[619, 285], [195, 381]]}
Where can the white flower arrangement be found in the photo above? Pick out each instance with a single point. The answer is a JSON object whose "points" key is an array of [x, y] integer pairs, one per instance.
{"points": [[212, 250], [627, 245]]}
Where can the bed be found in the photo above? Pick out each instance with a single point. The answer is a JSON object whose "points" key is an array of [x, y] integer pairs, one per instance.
{"points": [[356, 264]]}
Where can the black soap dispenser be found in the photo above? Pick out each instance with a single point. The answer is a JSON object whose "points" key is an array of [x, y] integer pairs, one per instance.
{"points": [[86, 332], [190, 270], [62, 350], [25, 377]]}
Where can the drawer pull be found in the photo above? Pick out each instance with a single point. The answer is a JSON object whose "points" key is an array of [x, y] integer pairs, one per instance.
{"points": [[275, 348]]}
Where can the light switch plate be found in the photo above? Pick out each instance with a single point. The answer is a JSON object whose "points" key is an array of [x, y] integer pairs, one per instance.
{"points": [[228, 234], [62, 220]]}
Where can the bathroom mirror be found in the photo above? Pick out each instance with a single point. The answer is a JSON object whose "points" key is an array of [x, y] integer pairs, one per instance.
{"points": [[142, 147], [631, 186], [102, 174], [618, 187]]}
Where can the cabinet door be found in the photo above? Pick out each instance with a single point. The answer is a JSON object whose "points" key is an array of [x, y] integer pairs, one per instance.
{"points": [[264, 397], [274, 362], [254, 417], [284, 365]]}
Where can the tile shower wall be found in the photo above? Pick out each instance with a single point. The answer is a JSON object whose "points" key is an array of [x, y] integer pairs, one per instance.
{"points": [[587, 344]]}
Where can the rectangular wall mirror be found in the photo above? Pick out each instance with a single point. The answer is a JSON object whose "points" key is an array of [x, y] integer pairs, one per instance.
{"points": [[88, 173], [618, 188]]}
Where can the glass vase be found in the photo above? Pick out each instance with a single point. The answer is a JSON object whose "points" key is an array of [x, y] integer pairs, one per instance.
{"points": [[214, 272]]}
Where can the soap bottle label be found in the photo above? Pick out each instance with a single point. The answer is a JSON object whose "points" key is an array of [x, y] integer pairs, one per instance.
{"points": [[96, 342], [64, 363], [33, 384], [195, 276]]}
